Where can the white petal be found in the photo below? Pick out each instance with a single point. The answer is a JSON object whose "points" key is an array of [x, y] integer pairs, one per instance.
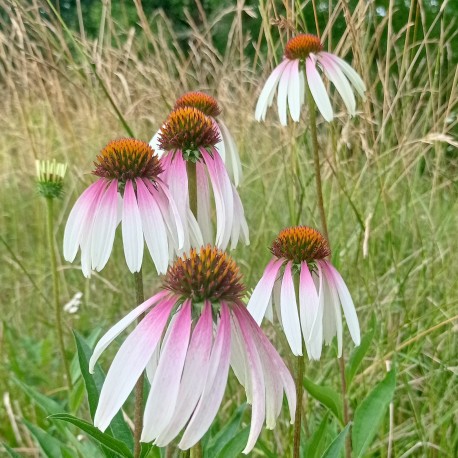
{"points": [[203, 204], [317, 89], [289, 314], [233, 158], [154, 143], [265, 98], [294, 91], [132, 234], [283, 94]]}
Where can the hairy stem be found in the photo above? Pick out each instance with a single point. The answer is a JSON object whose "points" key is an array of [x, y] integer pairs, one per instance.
{"points": [[138, 410], [298, 417], [316, 161], [55, 284]]}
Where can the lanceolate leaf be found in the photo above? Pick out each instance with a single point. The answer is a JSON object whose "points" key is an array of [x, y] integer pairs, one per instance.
{"points": [[327, 396], [104, 439], [333, 451], [52, 448], [369, 414], [118, 427], [316, 443], [235, 446]]}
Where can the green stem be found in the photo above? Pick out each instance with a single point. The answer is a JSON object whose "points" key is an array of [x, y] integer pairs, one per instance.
{"points": [[196, 451], [138, 410], [192, 186], [346, 413], [316, 161], [55, 284], [298, 416]]}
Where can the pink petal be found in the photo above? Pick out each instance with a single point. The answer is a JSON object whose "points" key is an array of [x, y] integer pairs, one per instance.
{"points": [[203, 204], [104, 227], [163, 394], [129, 363], [194, 376], [259, 300], [215, 385]]}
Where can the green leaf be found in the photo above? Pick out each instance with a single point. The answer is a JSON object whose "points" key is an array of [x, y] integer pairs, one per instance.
{"points": [[52, 448], [48, 405], [358, 353], [333, 451], [150, 451], [369, 414], [11, 453], [104, 439], [226, 434], [76, 396], [235, 446], [317, 441], [327, 396], [94, 382]]}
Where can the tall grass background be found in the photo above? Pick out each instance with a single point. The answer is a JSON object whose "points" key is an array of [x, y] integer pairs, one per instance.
{"points": [[389, 180]]}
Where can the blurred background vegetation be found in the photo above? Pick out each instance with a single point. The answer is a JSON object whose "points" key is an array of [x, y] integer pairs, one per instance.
{"points": [[69, 80]]}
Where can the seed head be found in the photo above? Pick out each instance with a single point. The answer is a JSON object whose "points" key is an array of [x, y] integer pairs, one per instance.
{"points": [[207, 274], [300, 46], [127, 159], [300, 244], [203, 102]]}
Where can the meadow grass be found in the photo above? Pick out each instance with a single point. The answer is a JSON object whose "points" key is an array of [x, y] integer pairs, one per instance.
{"points": [[389, 182]]}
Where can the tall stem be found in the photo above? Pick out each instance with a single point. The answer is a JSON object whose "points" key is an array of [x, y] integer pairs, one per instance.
{"points": [[298, 416], [316, 161], [55, 284], [192, 186], [138, 410], [324, 227]]}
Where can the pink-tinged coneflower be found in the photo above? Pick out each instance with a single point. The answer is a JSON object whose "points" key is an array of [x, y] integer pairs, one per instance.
{"points": [[197, 327], [300, 257], [226, 146], [290, 79], [191, 163], [129, 190]]}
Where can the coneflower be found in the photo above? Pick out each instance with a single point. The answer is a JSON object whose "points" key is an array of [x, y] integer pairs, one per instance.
{"points": [[197, 327]]}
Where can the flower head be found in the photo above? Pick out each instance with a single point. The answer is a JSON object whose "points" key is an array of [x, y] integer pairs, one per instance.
{"points": [[203, 102], [196, 329], [291, 80], [188, 139], [50, 178], [300, 253], [129, 190]]}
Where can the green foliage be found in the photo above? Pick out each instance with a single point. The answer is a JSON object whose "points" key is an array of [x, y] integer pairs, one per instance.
{"points": [[337, 445], [369, 414]]}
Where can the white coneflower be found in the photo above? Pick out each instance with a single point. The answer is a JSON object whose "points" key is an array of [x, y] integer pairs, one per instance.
{"points": [[299, 253], [290, 79]]}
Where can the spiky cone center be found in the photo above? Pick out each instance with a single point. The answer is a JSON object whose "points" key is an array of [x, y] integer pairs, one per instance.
{"points": [[188, 129], [203, 102], [300, 46], [205, 274], [127, 159], [300, 244]]}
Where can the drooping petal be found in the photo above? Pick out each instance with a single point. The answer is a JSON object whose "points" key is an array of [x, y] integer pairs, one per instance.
{"points": [[308, 305], [259, 300], [224, 200], [316, 334], [317, 89], [129, 363], [80, 218], [215, 385], [294, 91], [258, 410], [220, 146], [283, 94], [203, 204], [163, 394], [194, 376], [347, 303], [154, 143], [114, 332], [280, 369], [233, 162], [350, 73], [153, 227], [335, 74], [289, 314], [265, 98], [132, 234], [104, 227], [239, 225]]}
